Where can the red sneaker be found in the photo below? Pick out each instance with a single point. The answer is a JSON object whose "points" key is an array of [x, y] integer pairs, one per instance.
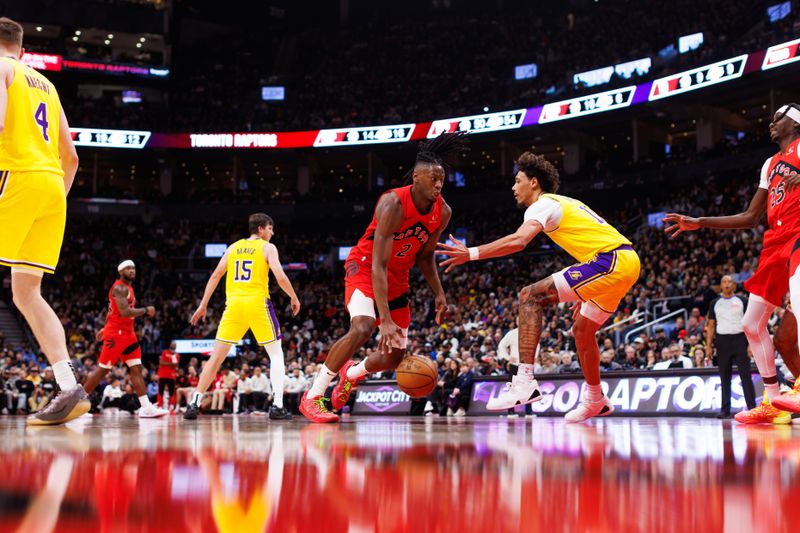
{"points": [[343, 389], [789, 401], [764, 414], [314, 409]]}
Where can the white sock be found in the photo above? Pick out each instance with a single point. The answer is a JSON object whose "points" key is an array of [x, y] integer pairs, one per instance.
{"points": [[320, 385], [594, 393], [65, 375], [145, 402], [196, 397], [772, 390], [755, 329], [357, 371], [277, 372]]}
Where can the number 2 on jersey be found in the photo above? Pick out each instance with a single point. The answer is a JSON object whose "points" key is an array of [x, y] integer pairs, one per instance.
{"points": [[41, 119], [243, 270], [404, 251]]}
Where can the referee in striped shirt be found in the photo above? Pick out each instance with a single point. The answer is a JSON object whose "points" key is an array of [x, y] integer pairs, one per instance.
{"points": [[725, 333]]}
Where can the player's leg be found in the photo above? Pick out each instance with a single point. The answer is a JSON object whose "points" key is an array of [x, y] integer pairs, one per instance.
{"points": [[146, 409], [218, 354], [362, 325], [523, 388], [95, 378], [267, 331], [786, 337], [785, 341], [71, 401]]}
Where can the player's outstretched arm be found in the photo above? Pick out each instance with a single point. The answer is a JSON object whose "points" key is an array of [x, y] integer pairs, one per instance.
{"points": [[748, 218], [389, 214], [67, 152], [459, 254], [274, 262], [211, 286], [427, 264]]}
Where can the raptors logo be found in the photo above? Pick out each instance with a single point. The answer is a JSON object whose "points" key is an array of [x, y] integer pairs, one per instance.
{"points": [[351, 269]]}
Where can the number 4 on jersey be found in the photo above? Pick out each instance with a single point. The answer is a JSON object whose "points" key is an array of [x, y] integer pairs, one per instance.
{"points": [[41, 119]]}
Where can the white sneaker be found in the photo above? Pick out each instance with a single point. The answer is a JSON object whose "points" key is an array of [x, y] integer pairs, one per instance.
{"points": [[460, 412], [428, 407], [152, 412], [519, 391], [587, 410]]}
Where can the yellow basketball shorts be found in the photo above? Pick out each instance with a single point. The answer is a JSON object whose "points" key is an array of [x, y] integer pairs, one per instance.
{"points": [[33, 214], [255, 314], [604, 280]]}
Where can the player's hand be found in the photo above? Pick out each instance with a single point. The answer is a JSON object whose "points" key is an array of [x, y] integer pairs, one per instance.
{"points": [[709, 352], [99, 335], [151, 311], [679, 224], [295, 306], [576, 309], [458, 254], [391, 335], [441, 308], [792, 181], [198, 315]]}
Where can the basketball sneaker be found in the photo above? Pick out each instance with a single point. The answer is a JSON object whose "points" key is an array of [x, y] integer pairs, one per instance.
{"points": [[151, 411], [588, 409], [191, 412], [520, 390], [66, 406], [789, 401], [315, 410], [765, 413], [343, 389], [279, 413]]}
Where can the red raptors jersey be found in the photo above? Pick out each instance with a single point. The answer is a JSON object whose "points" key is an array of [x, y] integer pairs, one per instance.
{"points": [[414, 232], [114, 321], [783, 207]]}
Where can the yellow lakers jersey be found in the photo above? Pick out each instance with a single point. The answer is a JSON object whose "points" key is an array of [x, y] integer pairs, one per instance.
{"points": [[230, 515], [582, 233], [248, 271], [29, 141]]}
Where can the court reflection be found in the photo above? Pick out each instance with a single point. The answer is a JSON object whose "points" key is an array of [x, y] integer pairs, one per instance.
{"points": [[395, 475]]}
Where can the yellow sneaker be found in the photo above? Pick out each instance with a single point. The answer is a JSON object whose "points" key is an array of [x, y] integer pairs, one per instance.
{"points": [[764, 414]]}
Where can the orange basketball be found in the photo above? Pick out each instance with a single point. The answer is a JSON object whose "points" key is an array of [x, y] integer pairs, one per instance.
{"points": [[417, 376]]}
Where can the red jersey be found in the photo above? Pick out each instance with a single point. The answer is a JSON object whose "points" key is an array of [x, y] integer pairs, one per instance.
{"points": [[783, 207], [114, 321], [167, 371], [414, 232]]}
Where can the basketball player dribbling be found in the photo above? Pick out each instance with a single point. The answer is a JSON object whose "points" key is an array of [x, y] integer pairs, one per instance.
{"points": [[246, 264], [119, 339], [405, 227], [779, 197], [38, 162], [608, 267]]}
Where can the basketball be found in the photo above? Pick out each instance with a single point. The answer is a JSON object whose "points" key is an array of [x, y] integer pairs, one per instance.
{"points": [[417, 376]]}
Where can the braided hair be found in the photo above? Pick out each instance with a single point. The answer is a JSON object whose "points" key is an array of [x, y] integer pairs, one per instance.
{"points": [[440, 151]]}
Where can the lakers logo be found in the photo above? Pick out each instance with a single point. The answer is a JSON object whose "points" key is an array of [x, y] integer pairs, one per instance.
{"points": [[575, 274]]}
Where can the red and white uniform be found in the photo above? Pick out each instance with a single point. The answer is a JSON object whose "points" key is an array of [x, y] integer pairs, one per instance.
{"points": [[119, 340], [779, 257], [414, 232], [168, 371]]}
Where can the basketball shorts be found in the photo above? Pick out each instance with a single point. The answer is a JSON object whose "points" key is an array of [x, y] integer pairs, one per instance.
{"points": [[603, 281], [776, 264], [255, 314], [360, 302], [120, 345], [33, 213]]}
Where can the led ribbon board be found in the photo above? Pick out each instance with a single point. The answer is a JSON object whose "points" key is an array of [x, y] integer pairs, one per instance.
{"points": [[369, 135], [587, 105], [109, 138], [781, 54], [698, 78], [504, 120]]}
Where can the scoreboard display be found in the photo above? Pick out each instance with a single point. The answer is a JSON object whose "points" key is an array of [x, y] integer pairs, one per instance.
{"points": [[698, 78]]}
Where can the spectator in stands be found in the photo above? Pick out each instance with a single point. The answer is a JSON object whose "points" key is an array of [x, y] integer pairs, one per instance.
{"points": [[607, 362], [459, 398]]}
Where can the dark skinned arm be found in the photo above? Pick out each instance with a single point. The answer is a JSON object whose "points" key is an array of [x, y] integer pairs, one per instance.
{"points": [[427, 264], [120, 295], [744, 220], [389, 214]]}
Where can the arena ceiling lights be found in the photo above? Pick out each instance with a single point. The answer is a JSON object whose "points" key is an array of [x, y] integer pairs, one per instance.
{"points": [[682, 82]]}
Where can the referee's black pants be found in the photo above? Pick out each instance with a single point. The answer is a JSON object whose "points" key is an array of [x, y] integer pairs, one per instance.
{"points": [[732, 349]]}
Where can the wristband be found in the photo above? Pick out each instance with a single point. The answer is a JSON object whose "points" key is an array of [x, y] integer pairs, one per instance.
{"points": [[474, 255]]}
